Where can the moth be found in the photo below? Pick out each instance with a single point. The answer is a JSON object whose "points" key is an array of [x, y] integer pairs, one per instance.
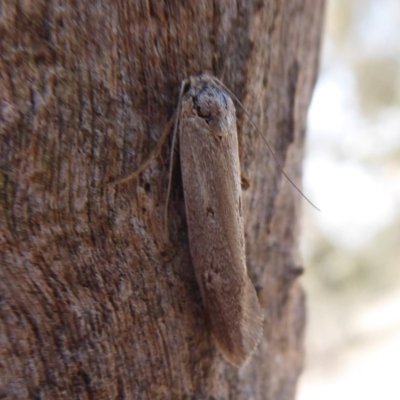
{"points": [[211, 176], [205, 125]]}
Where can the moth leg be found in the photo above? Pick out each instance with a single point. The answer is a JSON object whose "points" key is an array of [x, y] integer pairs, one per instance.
{"points": [[155, 153]]}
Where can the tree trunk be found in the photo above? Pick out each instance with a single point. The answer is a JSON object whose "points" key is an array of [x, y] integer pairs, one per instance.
{"points": [[95, 303]]}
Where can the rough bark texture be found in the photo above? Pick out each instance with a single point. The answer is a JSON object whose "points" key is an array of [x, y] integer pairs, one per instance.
{"points": [[94, 302]]}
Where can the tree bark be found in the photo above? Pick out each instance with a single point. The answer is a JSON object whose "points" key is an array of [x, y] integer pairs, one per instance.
{"points": [[94, 302]]}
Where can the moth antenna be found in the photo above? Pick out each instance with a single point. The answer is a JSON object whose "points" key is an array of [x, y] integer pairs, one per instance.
{"points": [[173, 145], [223, 86], [154, 154]]}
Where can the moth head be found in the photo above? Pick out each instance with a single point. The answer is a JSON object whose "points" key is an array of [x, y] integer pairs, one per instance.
{"points": [[210, 103]]}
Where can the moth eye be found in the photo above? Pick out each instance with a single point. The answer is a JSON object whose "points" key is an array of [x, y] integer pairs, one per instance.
{"points": [[202, 108], [210, 212], [202, 114]]}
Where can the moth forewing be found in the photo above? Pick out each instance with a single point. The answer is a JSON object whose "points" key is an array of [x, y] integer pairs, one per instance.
{"points": [[210, 167]]}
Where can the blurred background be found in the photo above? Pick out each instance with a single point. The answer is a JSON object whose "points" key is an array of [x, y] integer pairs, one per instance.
{"points": [[351, 249]]}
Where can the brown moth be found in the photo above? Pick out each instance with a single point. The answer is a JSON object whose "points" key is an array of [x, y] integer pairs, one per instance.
{"points": [[209, 157]]}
